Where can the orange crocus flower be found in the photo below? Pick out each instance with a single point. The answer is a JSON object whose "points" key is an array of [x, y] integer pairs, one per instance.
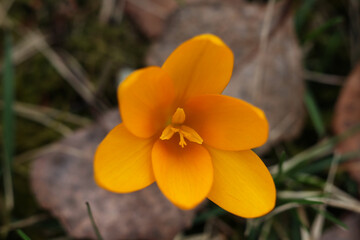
{"points": [[179, 131]]}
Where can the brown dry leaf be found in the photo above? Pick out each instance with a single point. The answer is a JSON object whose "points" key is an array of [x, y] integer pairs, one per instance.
{"points": [[63, 181], [347, 115], [279, 90], [151, 15]]}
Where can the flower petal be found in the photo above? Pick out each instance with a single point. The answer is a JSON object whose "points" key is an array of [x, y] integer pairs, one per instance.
{"points": [[123, 162], [146, 98], [200, 65], [242, 183], [184, 175], [226, 123]]}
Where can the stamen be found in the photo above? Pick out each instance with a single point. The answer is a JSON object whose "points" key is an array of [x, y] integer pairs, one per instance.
{"points": [[191, 134], [167, 133], [183, 130]]}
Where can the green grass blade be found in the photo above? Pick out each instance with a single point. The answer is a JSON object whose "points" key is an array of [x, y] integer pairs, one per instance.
{"points": [[209, 214], [295, 226], [97, 232], [8, 122], [22, 235], [324, 164], [314, 114], [311, 154], [332, 218], [303, 15], [281, 158]]}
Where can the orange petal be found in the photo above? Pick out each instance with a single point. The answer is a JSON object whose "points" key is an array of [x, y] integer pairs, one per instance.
{"points": [[123, 162], [200, 65], [226, 123], [242, 183], [184, 175], [146, 101]]}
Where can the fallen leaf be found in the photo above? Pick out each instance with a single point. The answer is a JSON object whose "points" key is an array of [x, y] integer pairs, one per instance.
{"points": [[279, 90], [347, 115], [63, 182], [151, 16]]}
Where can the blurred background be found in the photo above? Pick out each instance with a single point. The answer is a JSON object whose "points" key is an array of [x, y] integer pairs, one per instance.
{"points": [[61, 62]]}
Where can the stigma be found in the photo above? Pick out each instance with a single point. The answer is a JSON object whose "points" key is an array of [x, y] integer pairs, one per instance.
{"points": [[177, 126]]}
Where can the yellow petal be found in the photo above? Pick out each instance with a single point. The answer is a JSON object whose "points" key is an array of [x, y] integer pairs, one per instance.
{"points": [[123, 162], [184, 175], [200, 65], [146, 101], [226, 123], [242, 183]]}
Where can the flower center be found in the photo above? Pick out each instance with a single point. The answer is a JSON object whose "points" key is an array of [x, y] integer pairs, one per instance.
{"points": [[177, 126]]}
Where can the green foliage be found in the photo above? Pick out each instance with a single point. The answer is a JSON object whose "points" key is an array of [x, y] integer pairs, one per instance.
{"points": [[314, 114], [97, 232], [22, 235]]}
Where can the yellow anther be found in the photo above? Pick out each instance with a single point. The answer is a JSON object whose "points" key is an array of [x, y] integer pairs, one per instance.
{"points": [[190, 134], [167, 133], [178, 117], [183, 130]]}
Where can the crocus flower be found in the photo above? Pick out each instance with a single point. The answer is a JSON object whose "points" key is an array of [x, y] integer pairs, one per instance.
{"points": [[179, 131]]}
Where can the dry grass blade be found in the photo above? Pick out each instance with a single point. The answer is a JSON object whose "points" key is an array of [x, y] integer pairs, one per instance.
{"points": [[71, 71], [298, 194], [4, 8], [324, 78], [47, 149], [107, 8], [280, 209], [321, 149], [318, 224], [41, 118], [55, 113], [317, 151], [68, 75], [336, 198], [341, 195], [24, 222], [342, 204], [66, 65], [265, 231], [23, 109], [119, 11], [8, 131], [264, 39], [31, 44], [27, 156], [75, 67], [304, 232]]}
